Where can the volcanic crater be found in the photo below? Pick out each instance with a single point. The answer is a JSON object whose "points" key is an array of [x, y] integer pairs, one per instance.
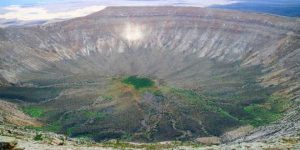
{"points": [[155, 73]]}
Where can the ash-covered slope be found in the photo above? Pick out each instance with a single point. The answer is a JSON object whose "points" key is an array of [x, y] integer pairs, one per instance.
{"points": [[241, 62], [122, 39]]}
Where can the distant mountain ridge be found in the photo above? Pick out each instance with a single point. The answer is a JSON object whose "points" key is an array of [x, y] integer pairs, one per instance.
{"points": [[288, 8]]}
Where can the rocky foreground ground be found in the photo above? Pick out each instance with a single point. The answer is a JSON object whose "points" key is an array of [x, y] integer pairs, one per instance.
{"points": [[16, 138]]}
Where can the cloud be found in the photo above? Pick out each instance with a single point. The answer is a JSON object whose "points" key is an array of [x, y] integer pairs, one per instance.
{"points": [[39, 13]]}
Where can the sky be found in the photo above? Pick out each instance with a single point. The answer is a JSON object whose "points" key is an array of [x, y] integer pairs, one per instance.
{"points": [[114, 2], [34, 10], [27, 10]]}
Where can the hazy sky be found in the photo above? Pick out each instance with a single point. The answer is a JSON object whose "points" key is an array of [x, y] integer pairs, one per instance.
{"points": [[62, 9], [28, 10], [114, 2]]}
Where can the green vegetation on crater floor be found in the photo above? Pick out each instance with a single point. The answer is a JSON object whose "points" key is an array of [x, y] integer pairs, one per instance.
{"points": [[138, 82], [270, 111], [134, 108], [33, 111]]}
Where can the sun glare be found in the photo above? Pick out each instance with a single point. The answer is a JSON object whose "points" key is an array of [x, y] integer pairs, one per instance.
{"points": [[132, 32]]}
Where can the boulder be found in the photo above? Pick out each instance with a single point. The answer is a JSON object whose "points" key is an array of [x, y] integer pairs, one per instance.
{"points": [[209, 140], [8, 145], [236, 133], [57, 141]]}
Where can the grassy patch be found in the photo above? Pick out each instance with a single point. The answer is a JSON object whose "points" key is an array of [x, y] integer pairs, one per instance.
{"points": [[260, 115], [94, 114], [270, 111], [138, 82], [35, 112], [53, 127]]}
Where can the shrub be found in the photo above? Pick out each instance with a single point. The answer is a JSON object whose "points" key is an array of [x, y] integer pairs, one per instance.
{"points": [[38, 137]]}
